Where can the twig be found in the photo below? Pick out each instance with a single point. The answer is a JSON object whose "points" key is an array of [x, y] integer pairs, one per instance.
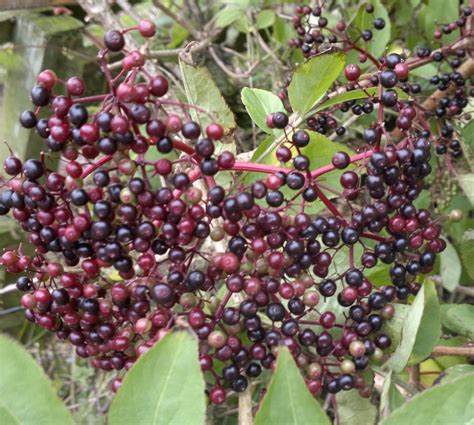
{"points": [[414, 375], [179, 19], [129, 10], [452, 351], [7, 289], [10, 310], [228, 71], [245, 406]]}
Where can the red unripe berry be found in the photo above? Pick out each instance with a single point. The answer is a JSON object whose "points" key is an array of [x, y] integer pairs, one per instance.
{"points": [[75, 86], [174, 124], [158, 86], [28, 301], [269, 121], [60, 133], [47, 79], [286, 291], [55, 269], [341, 26], [90, 133], [60, 105], [327, 319], [214, 131], [163, 167], [401, 69], [365, 288], [142, 93], [116, 384], [9, 258], [126, 92], [276, 260], [416, 241], [217, 395], [146, 28], [229, 263], [411, 224], [119, 124], [349, 294], [42, 296], [273, 182], [396, 224], [133, 60], [226, 160], [74, 169], [90, 267], [352, 72]]}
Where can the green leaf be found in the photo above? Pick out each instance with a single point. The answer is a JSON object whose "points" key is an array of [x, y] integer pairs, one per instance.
{"points": [[311, 80], [459, 318], [356, 95], [27, 396], [450, 403], [450, 267], [468, 135], [390, 397], [202, 90], [7, 416], [178, 35], [288, 401], [243, 24], [441, 12], [456, 372], [364, 21], [165, 386], [393, 327], [259, 103], [466, 181], [353, 409], [395, 398], [429, 330], [420, 331], [265, 18], [378, 275], [228, 16], [467, 252], [282, 32]]}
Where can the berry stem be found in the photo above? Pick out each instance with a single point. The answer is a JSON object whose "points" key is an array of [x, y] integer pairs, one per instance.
{"points": [[89, 170], [87, 99], [452, 351], [259, 168], [329, 205], [221, 306], [330, 167]]}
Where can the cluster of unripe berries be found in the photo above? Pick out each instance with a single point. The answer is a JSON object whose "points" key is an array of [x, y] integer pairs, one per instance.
{"points": [[126, 247]]}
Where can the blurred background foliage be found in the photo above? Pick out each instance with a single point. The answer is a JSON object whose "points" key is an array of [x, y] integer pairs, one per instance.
{"points": [[242, 43]]}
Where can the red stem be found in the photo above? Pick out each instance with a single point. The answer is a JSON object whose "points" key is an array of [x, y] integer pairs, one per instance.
{"points": [[95, 165], [95, 98], [260, 168], [330, 167], [329, 205]]}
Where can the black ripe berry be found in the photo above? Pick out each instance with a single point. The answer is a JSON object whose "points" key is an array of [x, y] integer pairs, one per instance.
{"points": [[280, 120]]}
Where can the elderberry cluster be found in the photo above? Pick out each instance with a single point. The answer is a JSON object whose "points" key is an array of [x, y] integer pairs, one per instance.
{"points": [[133, 235]]}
